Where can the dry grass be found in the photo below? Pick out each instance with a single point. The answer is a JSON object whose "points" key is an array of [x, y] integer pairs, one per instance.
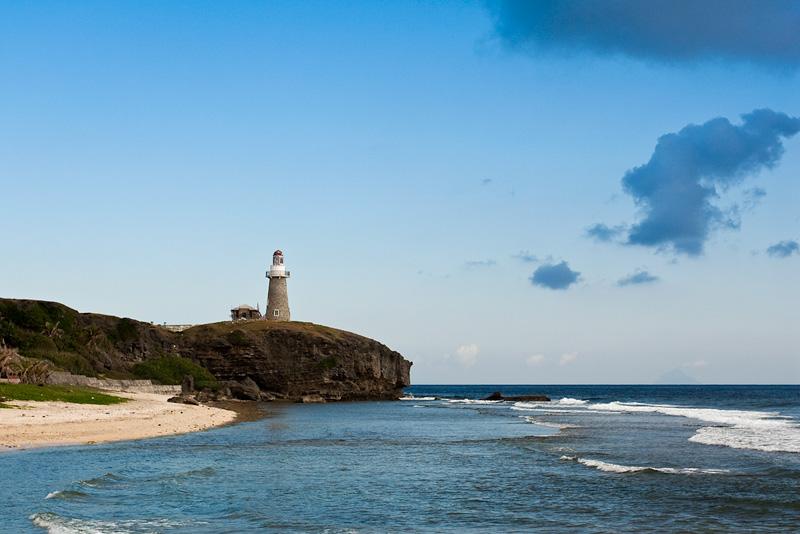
{"points": [[260, 326], [29, 371]]}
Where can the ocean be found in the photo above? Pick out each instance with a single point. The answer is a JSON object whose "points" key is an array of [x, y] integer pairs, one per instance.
{"points": [[595, 459]]}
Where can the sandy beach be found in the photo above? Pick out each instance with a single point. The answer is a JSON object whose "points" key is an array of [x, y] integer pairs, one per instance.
{"points": [[146, 415]]}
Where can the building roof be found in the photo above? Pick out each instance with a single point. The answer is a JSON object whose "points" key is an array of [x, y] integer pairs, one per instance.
{"points": [[243, 307]]}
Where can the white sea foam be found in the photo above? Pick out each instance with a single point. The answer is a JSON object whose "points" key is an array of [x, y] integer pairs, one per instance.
{"points": [[530, 405], [53, 494], [562, 404], [472, 401], [560, 426], [56, 524], [413, 398], [739, 429], [572, 402], [616, 468], [545, 410]]}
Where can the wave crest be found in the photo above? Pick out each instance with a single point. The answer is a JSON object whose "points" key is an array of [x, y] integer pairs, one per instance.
{"points": [[617, 468]]}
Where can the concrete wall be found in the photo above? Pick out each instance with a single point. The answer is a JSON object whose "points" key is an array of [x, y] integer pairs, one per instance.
{"points": [[138, 386]]}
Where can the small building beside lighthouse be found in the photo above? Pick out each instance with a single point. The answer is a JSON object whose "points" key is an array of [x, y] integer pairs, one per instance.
{"points": [[278, 295], [245, 312]]}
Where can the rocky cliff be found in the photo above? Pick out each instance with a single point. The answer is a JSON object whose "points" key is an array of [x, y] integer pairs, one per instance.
{"points": [[288, 360]]}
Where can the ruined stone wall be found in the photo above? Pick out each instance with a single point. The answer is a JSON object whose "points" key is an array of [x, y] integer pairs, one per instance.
{"points": [[138, 386]]}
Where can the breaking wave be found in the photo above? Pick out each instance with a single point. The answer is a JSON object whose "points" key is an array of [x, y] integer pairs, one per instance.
{"points": [[66, 495], [572, 402], [102, 481], [738, 429], [472, 401], [560, 426], [56, 524], [616, 468], [413, 398]]}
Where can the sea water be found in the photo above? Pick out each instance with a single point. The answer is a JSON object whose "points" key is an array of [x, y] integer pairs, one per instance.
{"points": [[596, 458]]}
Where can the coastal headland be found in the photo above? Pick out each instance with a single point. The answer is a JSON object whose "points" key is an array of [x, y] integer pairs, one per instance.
{"points": [[253, 360], [247, 360]]}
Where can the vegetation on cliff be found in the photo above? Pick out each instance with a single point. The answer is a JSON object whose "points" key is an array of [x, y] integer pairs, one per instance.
{"points": [[172, 370]]}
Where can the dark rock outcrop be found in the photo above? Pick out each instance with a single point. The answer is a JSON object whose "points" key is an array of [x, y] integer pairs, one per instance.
{"points": [[184, 399], [253, 359], [518, 398], [247, 389], [187, 386]]}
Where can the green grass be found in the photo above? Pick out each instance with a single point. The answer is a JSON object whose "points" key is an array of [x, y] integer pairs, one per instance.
{"points": [[172, 369], [74, 394]]}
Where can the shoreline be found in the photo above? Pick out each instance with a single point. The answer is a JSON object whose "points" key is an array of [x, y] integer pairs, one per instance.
{"points": [[28, 425]]}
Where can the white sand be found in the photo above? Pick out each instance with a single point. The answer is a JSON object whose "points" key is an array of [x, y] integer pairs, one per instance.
{"points": [[42, 424]]}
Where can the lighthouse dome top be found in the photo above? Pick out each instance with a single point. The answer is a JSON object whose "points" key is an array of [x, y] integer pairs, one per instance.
{"points": [[277, 253]]}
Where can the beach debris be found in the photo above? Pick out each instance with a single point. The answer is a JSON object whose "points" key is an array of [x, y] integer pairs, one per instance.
{"points": [[184, 399]]}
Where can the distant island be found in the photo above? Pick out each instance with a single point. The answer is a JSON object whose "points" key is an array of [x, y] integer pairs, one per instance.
{"points": [[255, 360]]}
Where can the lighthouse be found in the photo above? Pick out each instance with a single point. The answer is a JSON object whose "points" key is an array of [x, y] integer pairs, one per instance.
{"points": [[278, 295]]}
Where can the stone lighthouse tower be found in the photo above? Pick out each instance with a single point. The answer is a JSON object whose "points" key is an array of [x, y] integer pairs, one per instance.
{"points": [[278, 296]]}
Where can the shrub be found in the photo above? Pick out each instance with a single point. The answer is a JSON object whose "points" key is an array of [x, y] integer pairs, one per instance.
{"points": [[28, 371], [125, 331], [172, 369]]}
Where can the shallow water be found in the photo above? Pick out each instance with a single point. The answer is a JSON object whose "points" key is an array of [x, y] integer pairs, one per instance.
{"points": [[598, 458]]}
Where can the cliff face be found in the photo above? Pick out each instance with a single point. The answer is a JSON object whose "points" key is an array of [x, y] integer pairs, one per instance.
{"points": [[297, 359], [290, 359]]}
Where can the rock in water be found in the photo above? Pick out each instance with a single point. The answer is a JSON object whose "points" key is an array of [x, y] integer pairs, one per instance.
{"points": [[497, 396]]}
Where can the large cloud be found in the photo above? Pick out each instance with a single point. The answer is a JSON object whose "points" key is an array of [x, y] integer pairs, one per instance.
{"points": [[676, 188], [554, 276], [762, 31]]}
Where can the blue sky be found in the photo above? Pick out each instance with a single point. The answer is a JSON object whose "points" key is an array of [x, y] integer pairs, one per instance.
{"points": [[418, 163]]}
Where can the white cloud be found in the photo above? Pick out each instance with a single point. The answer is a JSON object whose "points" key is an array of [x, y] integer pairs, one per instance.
{"points": [[534, 360], [697, 364], [567, 358], [467, 355]]}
